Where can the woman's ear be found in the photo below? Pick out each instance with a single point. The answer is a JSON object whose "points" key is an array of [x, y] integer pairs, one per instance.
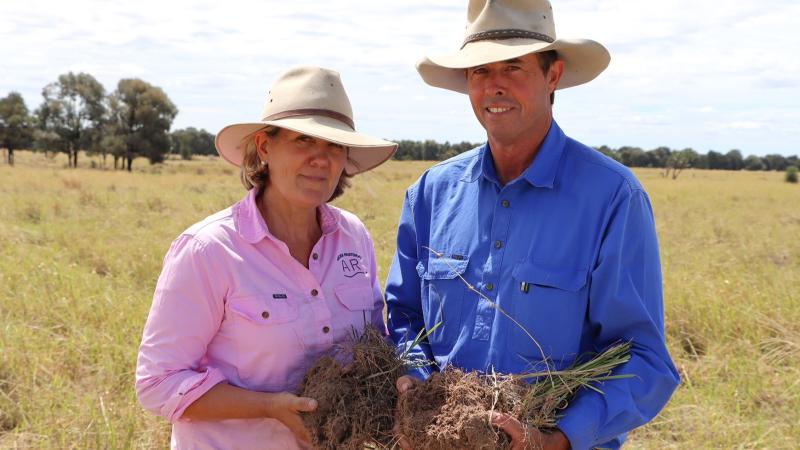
{"points": [[261, 141]]}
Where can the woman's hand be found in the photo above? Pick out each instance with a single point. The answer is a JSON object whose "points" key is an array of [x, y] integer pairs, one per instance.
{"points": [[286, 408], [224, 401]]}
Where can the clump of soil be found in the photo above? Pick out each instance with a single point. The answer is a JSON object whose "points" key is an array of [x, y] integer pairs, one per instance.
{"points": [[356, 399], [452, 409]]}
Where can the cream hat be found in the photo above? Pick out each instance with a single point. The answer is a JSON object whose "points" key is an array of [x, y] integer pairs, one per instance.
{"points": [[498, 30], [310, 100]]}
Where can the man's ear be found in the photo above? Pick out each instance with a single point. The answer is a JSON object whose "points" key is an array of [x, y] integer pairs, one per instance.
{"points": [[554, 74]]}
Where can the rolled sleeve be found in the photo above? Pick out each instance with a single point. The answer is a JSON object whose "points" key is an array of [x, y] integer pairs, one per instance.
{"points": [[185, 315], [625, 305]]}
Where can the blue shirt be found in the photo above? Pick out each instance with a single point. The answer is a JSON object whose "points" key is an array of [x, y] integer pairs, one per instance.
{"points": [[568, 249]]}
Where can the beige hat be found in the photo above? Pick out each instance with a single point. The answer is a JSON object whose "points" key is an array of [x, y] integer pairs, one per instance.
{"points": [[310, 100], [498, 30]]}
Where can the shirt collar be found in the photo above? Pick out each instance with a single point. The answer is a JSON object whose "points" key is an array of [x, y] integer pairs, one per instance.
{"points": [[251, 226], [541, 173]]}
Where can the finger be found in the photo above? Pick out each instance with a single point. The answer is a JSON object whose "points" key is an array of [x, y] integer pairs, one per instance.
{"points": [[404, 383], [510, 425], [304, 404], [296, 426]]}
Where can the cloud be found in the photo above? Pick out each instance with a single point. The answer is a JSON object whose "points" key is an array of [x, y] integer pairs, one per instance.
{"points": [[670, 62]]}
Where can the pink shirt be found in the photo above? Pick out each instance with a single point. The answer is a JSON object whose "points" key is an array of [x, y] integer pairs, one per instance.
{"points": [[233, 305]]}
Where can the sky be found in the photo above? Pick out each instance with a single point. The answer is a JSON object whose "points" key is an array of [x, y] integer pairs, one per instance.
{"points": [[705, 74]]}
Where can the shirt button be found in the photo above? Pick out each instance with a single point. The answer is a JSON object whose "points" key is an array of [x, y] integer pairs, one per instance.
{"points": [[265, 314], [505, 203], [326, 329], [314, 256], [489, 286], [498, 244], [314, 292]]}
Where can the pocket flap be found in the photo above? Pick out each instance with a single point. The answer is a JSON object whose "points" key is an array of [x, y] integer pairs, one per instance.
{"points": [[444, 267], [264, 310], [355, 296], [568, 280]]}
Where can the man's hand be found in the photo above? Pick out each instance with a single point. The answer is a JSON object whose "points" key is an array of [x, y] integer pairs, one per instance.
{"points": [[526, 438], [403, 384], [286, 408]]}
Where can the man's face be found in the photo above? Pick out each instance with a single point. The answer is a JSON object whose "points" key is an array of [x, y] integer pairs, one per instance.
{"points": [[511, 98]]}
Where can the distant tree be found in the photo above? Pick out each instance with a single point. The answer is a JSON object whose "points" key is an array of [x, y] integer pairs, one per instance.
{"points": [[775, 162], [791, 174], [717, 161], [191, 141], [735, 160], [633, 156], [659, 156], [141, 117], [71, 116], [16, 124], [754, 162], [679, 161]]}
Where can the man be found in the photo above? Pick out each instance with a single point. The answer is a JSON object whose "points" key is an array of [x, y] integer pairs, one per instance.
{"points": [[557, 235]]}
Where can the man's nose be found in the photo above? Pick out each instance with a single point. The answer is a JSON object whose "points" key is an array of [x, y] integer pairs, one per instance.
{"points": [[495, 84]]}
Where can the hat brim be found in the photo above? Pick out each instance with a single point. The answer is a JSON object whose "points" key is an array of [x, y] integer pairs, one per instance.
{"points": [[366, 152], [584, 60]]}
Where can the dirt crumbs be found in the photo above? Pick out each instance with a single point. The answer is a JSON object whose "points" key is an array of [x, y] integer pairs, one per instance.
{"points": [[356, 400], [453, 409]]}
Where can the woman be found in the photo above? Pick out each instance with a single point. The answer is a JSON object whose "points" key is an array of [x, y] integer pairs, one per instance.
{"points": [[249, 298]]}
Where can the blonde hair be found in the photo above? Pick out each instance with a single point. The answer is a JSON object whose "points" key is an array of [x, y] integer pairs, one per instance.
{"points": [[254, 174]]}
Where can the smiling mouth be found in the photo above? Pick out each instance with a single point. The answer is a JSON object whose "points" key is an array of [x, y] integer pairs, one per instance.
{"points": [[313, 178]]}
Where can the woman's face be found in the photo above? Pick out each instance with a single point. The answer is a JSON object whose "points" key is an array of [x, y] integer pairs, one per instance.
{"points": [[303, 169]]}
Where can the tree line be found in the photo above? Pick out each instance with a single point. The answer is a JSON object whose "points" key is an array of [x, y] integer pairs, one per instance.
{"points": [[135, 119], [77, 114]]}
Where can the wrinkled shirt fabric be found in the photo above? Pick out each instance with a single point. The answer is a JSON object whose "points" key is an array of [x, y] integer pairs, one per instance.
{"points": [[232, 304], [568, 250]]}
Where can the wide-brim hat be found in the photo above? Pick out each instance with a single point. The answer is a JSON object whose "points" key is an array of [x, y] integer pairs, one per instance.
{"points": [[312, 101], [498, 30]]}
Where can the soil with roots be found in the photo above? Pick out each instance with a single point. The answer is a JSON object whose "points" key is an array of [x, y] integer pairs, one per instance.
{"points": [[356, 399]]}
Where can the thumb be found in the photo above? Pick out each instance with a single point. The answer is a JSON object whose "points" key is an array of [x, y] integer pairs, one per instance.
{"points": [[304, 404]]}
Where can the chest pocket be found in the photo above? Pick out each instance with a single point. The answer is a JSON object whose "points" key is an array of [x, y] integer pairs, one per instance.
{"points": [[263, 310], [443, 294], [551, 304], [356, 296]]}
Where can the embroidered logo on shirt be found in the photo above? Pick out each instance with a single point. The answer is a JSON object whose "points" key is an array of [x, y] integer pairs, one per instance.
{"points": [[282, 296], [351, 264]]}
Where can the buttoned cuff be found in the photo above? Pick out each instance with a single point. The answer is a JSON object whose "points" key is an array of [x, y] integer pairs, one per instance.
{"points": [[579, 425], [189, 391]]}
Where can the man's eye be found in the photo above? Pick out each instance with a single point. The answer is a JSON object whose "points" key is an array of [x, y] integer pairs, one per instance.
{"points": [[304, 138]]}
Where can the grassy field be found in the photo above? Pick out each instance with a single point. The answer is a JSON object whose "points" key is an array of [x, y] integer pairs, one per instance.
{"points": [[80, 251]]}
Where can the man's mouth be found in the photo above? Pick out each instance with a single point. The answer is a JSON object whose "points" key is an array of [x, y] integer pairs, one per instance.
{"points": [[498, 110]]}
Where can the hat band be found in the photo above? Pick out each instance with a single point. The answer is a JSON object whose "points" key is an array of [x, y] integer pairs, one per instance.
{"points": [[496, 35], [313, 112]]}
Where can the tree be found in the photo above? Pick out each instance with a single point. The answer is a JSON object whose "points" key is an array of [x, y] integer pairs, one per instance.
{"points": [[72, 114], [735, 160], [191, 141], [141, 116], [775, 162], [659, 156], [679, 161], [754, 162], [16, 124]]}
